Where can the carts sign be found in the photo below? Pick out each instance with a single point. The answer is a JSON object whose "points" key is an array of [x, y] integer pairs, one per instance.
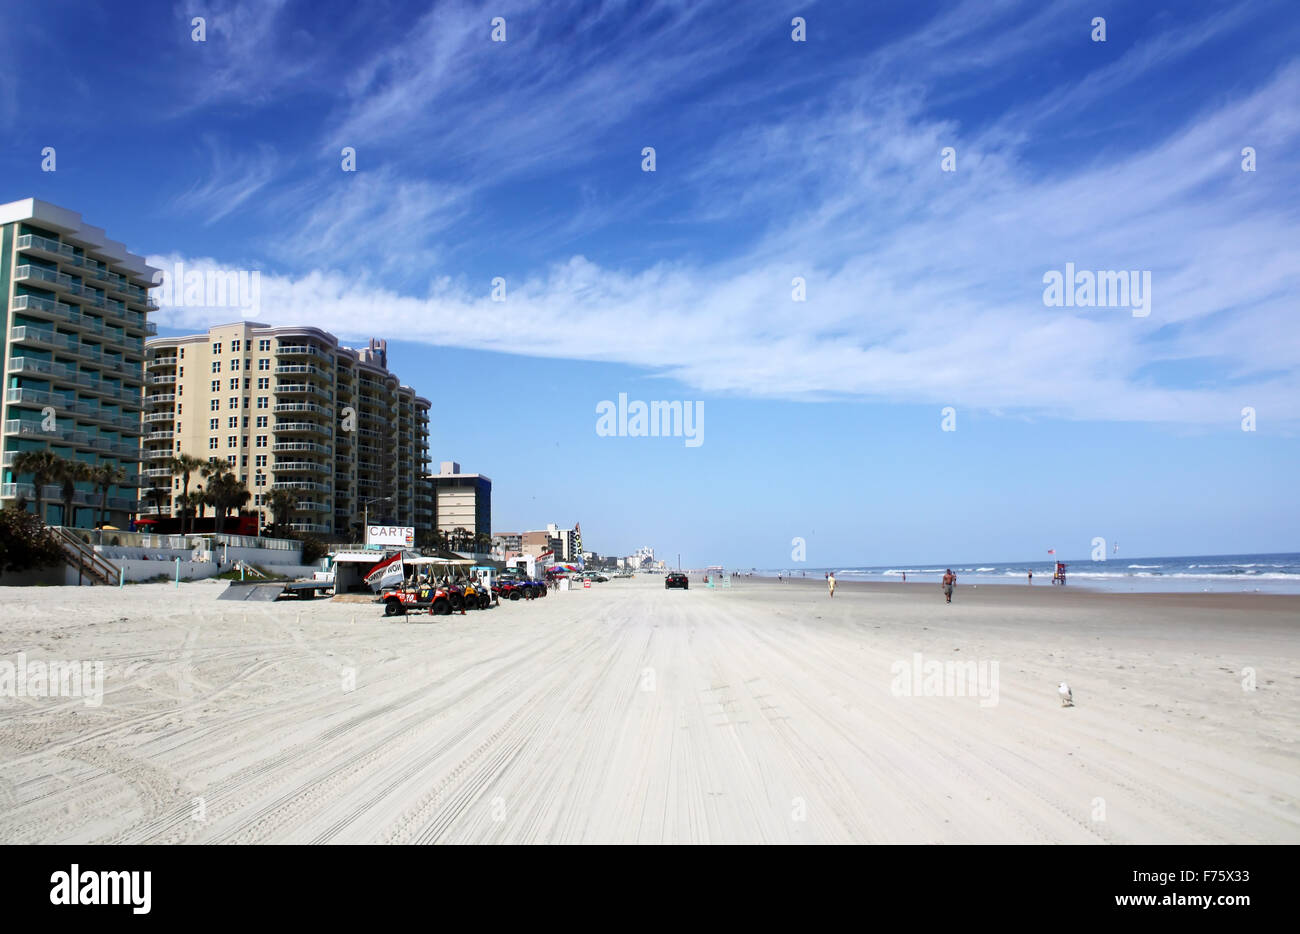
{"points": [[401, 536]]}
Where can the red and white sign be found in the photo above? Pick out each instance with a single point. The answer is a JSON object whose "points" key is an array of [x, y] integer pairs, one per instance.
{"points": [[586, 585]]}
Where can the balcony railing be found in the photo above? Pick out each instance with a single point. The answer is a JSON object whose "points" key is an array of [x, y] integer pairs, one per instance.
{"points": [[292, 427], [293, 466], [281, 447], [301, 485], [309, 407], [160, 435], [153, 362], [161, 398], [288, 350], [160, 417]]}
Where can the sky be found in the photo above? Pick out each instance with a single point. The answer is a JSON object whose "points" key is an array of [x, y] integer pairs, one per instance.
{"points": [[842, 256]]}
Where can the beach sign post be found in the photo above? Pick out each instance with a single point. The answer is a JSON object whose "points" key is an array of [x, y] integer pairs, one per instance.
{"points": [[178, 573]]}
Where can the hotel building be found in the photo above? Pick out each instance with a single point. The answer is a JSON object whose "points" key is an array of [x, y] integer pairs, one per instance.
{"points": [[290, 408], [76, 308], [461, 500]]}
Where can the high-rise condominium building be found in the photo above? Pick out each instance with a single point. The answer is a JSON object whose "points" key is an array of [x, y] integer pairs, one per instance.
{"points": [[76, 308], [462, 500], [289, 408]]}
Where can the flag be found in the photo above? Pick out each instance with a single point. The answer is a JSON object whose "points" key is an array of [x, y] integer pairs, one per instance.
{"points": [[388, 571], [1051, 551]]}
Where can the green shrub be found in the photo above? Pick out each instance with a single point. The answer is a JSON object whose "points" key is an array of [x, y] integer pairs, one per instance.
{"points": [[313, 549], [25, 543]]}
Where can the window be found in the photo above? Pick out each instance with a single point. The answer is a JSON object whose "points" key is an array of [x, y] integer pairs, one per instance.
{"points": [[247, 383], [216, 385], [264, 345], [243, 461], [234, 384], [216, 366], [181, 371], [233, 422], [259, 480], [264, 382], [216, 348], [232, 441], [234, 366], [260, 461], [182, 353], [176, 484], [261, 441], [245, 421], [179, 408], [230, 459], [263, 403], [180, 390], [234, 402], [215, 405], [261, 421], [213, 424], [248, 364], [264, 364], [245, 441], [246, 402], [212, 444], [234, 346]]}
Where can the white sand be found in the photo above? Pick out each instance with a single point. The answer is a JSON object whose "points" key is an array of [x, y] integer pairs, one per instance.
{"points": [[628, 713]]}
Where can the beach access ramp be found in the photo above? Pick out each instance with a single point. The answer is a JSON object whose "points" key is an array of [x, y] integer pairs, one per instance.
{"points": [[252, 592], [265, 592]]}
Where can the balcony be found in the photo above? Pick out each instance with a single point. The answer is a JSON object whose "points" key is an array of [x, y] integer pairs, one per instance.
{"points": [[46, 277], [311, 505], [304, 407], [294, 466], [155, 362], [160, 379], [303, 369], [157, 454], [160, 417], [295, 388], [153, 472], [283, 447], [297, 427], [44, 307], [300, 485], [160, 435], [162, 398], [311, 527], [297, 350]]}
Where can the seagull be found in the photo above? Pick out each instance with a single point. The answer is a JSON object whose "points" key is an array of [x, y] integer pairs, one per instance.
{"points": [[1067, 699]]}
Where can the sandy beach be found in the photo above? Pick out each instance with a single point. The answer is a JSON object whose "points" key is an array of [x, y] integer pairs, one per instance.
{"points": [[627, 713]]}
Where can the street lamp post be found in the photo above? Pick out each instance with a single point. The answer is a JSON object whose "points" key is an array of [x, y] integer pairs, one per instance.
{"points": [[378, 499]]}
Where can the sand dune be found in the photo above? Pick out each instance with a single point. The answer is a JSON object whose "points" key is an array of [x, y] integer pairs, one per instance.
{"points": [[766, 712]]}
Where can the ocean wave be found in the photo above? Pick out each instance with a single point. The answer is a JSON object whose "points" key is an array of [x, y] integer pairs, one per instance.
{"points": [[1101, 575], [1146, 565]]}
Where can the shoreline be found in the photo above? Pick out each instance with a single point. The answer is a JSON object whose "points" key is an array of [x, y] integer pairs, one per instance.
{"points": [[1045, 594]]}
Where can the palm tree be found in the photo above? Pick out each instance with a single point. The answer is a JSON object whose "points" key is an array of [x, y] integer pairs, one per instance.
{"points": [[482, 542], [71, 473], [193, 503], [43, 465], [226, 492], [282, 504], [182, 465], [105, 475]]}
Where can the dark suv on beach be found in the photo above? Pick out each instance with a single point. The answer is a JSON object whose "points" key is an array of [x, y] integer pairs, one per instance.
{"points": [[676, 580]]}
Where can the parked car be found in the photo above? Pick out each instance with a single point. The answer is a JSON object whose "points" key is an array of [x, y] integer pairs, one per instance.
{"points": [[676, 580]]}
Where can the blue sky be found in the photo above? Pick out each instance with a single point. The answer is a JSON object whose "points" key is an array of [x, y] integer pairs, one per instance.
{"points": [[775, 159]]}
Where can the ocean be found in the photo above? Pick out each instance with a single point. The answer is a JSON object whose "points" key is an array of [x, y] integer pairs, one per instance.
{"points": [[1269, 573]]}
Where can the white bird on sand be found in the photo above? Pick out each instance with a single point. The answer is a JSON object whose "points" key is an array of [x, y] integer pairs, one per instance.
{"points": [[1067, 699]]}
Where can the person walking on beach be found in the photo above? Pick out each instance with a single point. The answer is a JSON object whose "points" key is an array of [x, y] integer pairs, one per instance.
{"points": [[1031, 577], [949, 578], [830, 583], [904, 577]]}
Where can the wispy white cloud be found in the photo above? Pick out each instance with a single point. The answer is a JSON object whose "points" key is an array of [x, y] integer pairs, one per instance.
{"points": [[923, 286], [229, 181]]}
